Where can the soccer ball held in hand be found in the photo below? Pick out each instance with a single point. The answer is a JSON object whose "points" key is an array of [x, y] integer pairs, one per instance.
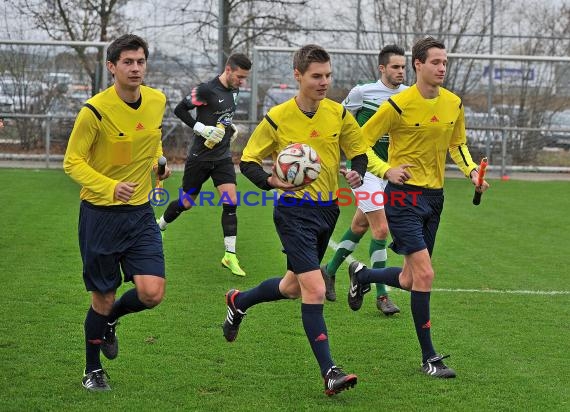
{"points": [[298, 164]]}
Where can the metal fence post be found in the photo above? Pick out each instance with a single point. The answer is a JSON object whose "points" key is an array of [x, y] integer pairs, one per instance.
{"points": [[503, 153], [48, 140]]}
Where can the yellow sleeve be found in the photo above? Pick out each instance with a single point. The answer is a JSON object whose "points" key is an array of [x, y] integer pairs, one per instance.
{"points": [[75, 162], [458, 147], [379, 125], [376, 166], [261, 144], [351, 142], [159, 153]]}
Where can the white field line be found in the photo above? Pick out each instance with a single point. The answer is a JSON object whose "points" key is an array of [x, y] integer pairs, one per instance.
{"points": [[333, 245]]}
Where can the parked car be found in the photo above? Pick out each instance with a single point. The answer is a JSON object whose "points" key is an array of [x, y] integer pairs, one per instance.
{"points": [[243, 104], [477, 122], [24, 96], [64, 109], [276, 95], [58, 81], [6, 102], [557, 129]]}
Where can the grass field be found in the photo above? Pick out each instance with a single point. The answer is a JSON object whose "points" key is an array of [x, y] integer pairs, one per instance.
{"points": [[510, 347]]}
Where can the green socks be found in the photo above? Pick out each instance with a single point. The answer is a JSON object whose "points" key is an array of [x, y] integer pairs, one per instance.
{"points": [[345, 247], [378, 257]]}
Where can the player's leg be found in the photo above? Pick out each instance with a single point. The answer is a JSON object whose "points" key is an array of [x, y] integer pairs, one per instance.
{"points": [[319, 225], [358, 228], [378, 257], [432, 364], [271, 289], [143, 263], [346, 246], [422, 273], [195, 174], [238, 302], [348, 242], [224, 178], [95, 377], [101, 275], [229, 227], [406, 227]]}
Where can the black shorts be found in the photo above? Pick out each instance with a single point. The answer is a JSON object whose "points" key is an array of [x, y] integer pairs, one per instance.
{"points": [[413, 219], [196, 172], [305, 231], [112, 238]]}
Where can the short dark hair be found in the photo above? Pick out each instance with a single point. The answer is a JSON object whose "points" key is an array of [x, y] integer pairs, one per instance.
{"points": [[239, 60], [311, 53], [420, 49], [125, 42], [387, 52]]}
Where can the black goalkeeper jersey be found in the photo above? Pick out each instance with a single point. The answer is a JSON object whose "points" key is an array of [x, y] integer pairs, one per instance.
{"points": [[214, 104]]}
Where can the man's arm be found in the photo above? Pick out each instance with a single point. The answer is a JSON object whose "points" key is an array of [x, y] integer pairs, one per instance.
{"points": [[260, 145], [359, 164], [182, 110], [78, 149], [255, 173], [198, 98], [458, 147], [376, 166]]}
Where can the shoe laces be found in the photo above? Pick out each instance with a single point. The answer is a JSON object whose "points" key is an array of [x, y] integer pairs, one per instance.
{"points": [[334, 372], [437, 361], [99, 376]]}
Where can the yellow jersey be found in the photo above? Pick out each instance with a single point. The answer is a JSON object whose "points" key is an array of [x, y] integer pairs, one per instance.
{"points": [[331, 129], [421, 131], [111, 142]]}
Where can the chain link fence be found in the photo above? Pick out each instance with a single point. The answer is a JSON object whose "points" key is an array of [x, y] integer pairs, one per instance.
{"points": [[517, 107]]}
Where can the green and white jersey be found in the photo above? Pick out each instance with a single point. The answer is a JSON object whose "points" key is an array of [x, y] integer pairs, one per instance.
{"points": [[364, 100]]}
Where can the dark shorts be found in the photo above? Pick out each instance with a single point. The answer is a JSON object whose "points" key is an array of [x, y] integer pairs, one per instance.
{"points": [[413, 219], [305, 232], [112, 238], [196, 172]]}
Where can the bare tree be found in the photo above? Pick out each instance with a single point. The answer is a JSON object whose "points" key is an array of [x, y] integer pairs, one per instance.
{"points": [[245, 23], [79, 20], [534, 93]]}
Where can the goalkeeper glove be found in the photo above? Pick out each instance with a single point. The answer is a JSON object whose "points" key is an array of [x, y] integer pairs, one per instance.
{"points": [[212, 134], [234, 133]]}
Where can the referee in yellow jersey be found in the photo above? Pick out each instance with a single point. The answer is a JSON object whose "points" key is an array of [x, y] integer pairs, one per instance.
{"points": [[113, 148], [424, 122], [304, 217]]}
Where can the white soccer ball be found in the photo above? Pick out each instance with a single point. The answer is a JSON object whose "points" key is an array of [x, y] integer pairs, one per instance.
{"points": [[298, 164]]}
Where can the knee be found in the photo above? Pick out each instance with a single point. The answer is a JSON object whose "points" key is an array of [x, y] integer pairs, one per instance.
{"points": [[380, 232], [186, 204], [315, 294], [424, 278], [103, 303], [151, 298], [359, 228]]}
